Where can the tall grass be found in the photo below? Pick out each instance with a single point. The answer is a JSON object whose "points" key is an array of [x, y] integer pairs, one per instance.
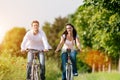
{"points": [[99, 76], [52, 70], [14, 68]]}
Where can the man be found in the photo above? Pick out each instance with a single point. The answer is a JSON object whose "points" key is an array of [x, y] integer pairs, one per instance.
{"points": [[35, 39]]}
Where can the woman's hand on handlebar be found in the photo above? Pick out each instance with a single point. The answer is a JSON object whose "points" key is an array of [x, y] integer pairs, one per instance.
{"points": [[56, 51], [45, 50], [79, 50]]}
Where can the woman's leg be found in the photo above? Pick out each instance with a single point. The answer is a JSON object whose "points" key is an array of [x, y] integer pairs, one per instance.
{"points": [[73, 59], [29, 64], [42, 65], [64, 61]]}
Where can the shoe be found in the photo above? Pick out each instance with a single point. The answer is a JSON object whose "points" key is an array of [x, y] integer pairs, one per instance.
{"points": [[75, 74]]}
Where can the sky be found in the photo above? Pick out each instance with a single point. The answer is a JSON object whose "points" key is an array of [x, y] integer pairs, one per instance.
{"points": [[20, 13]]}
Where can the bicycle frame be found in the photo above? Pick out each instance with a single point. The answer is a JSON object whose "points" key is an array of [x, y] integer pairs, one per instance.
{"points": [[35, 70], [69, 73]]}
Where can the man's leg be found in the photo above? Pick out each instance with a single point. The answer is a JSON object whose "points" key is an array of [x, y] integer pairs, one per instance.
{"points": [[29, 64], [42, 65]]}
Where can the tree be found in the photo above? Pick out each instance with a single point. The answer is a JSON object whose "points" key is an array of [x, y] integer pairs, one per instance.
{"points": [[98, 23], [13, 39], [111, 5], [53, 32]]}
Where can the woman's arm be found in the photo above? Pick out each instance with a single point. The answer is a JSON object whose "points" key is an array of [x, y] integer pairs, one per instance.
{"points": [[60, 45], [78, 43]]}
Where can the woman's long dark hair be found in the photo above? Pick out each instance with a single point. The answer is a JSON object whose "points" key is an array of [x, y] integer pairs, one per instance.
{"points": [[74, 31]]}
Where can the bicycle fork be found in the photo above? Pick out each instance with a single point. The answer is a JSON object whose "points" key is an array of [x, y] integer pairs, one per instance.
{"points": [[34, 71], [69, 72]]}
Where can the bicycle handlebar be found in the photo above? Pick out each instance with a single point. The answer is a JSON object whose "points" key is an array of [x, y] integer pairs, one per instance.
{"points": [[34, 50]]}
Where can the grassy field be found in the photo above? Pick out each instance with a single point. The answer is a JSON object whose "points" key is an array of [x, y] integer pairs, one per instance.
{"points": [[99, 76], [14, 68]]}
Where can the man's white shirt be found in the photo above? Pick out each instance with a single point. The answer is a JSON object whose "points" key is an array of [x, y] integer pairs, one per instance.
{"points": [[38, 41]]}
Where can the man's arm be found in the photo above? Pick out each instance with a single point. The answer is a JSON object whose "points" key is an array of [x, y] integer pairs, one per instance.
{"points": [[45, 41], [24, 42]]}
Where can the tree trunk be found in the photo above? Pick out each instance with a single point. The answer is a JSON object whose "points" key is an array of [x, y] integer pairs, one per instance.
{"points": [[119, 65], [99, 68], [93, 67], [103, 68], [109, 67]]}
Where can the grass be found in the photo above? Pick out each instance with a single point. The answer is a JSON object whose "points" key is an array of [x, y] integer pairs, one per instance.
{"points": [[14, 68], [99, 76], [52, 70]]}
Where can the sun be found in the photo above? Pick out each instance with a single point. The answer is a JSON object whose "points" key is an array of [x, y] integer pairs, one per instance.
{"points": [[2, 33]]}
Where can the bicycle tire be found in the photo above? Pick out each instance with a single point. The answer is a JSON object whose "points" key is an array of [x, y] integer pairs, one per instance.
{"points": [[36, 72], [71, 72], [32, 72], [69, 75]]}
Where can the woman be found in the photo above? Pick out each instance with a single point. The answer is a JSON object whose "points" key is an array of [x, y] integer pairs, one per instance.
{"points": [[35, 39], [69, 40]]}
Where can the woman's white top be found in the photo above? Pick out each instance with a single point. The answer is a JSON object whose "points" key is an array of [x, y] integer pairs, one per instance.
{"points": [[38, 41], [68, 44]]}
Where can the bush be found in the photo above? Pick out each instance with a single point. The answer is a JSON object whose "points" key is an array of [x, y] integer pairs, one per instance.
{"points": [[83, 67]]}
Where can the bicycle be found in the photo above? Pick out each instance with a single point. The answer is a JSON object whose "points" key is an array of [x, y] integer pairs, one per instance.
{"points": [[35, 69], [69, 68]]}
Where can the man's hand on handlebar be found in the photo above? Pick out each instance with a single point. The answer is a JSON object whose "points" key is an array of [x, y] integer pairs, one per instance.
{"points": [[23, 51]]}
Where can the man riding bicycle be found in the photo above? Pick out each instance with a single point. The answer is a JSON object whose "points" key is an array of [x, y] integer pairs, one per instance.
{"points": [[69, 40], [35, 39]]}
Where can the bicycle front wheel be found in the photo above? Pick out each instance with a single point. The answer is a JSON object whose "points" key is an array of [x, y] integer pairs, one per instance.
{"points": [[69, 74], [37, 72]]}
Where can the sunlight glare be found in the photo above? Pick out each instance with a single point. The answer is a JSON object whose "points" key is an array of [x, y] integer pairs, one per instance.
{"points": [[2, 32]]}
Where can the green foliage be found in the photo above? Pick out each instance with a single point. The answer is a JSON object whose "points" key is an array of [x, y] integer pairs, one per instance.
{"points": [[12, 68], [53, 33], [98, 26], [52, 67], [81, 20], [112, 5], [83, 67]]}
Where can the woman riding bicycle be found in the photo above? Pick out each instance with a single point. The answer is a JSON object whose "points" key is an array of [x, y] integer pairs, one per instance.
{"points": [[35, 39], [69, 40]]}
